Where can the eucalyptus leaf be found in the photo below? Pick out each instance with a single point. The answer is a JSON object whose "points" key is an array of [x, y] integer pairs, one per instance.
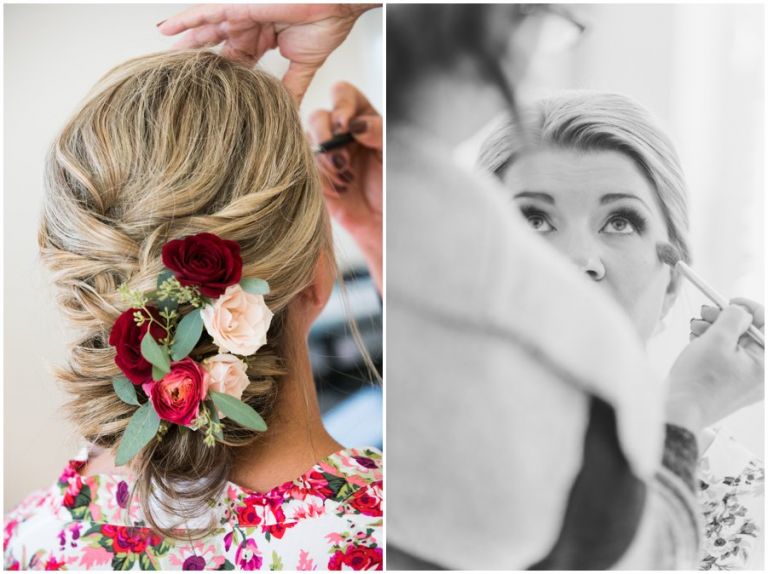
{"points": [[157, 374], [125, 390], [141, 429], [187, 335], [155, 354], [238, 411], [215, 418], [165, 274], [255, 286]]}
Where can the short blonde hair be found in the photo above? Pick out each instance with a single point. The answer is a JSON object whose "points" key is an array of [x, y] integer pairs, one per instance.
{"points": [[594, 121], [169, 145]]}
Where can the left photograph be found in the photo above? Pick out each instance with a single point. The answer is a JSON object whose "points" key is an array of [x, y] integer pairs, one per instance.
{"points": [[193, 273]]}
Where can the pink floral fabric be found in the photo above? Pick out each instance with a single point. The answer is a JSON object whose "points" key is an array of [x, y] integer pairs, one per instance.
{"points": [[330, 518]]}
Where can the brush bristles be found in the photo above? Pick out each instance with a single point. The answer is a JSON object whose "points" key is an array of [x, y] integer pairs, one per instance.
{"points": [[668, 253]]}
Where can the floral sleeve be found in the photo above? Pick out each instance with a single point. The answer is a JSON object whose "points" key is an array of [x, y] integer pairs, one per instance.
{"points": [[731, 484]]}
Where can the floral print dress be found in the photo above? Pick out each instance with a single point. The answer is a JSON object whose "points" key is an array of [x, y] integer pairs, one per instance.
{"points": [[731, 494], [330, 518]]}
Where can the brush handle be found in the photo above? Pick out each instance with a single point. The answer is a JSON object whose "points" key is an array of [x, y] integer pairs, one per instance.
{"points": [[717, 299]]}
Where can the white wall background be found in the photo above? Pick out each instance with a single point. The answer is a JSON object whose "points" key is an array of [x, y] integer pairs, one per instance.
{"points": [[53, 54], [700, 69]]}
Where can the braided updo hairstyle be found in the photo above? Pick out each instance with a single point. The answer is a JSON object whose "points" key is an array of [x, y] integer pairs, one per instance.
{"points": [[170, 145]]}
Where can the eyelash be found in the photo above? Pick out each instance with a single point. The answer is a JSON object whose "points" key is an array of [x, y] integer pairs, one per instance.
{"points": [[634, 218], [529, 211]]}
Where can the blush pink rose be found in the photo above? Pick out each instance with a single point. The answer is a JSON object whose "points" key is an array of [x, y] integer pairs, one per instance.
{"points": [[226, 374], [238, 321], [176, 397]]}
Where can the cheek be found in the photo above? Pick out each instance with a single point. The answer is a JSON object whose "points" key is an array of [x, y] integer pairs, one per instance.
{"points": [[639, 282]]}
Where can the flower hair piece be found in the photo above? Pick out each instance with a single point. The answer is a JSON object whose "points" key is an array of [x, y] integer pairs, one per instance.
{"points": [[200, 288]]}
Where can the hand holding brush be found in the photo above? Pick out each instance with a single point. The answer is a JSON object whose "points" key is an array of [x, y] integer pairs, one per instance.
{"points": [[671, 256]]}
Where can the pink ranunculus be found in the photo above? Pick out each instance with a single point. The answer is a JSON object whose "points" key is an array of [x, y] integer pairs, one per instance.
{"points": [[176, 397], [238, 321], [226, 374]]}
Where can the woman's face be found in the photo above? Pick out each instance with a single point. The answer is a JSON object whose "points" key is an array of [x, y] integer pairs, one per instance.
{"points": [[599, 210]]}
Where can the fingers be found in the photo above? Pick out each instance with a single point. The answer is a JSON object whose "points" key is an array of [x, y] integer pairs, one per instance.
{"points": [[756, 309], [348, 102], [709, 313], [319, 128], [298, 77], [732, 322], [367, 130], [200, 16], [209, 35], [699, 327]]}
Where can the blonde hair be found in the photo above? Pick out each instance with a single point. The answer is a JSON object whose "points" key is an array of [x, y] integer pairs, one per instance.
{"points": [[169, 145], [593, 121]]}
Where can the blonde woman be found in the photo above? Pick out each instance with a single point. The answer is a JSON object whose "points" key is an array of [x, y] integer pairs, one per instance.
{"points": [[168, 148], [594, 176]]}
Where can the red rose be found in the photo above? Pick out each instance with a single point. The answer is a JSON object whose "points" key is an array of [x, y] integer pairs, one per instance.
{"points": [[205, 261], [176, 397], [357, 558], [126, 337], [367, 501]]}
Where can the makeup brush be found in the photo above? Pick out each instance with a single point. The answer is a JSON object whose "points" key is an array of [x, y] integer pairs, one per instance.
{"points": [[671, 256], [333, 143]]}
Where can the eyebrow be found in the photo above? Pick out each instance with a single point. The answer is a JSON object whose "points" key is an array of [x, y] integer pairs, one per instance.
{"points": [[545, 197], [611, 197], [607, 198]]}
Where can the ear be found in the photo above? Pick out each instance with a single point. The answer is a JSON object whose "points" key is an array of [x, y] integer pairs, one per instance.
{"points": [[313, 298], [673, 289]]}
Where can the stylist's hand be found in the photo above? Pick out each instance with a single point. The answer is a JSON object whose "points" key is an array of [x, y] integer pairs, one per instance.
{"points": [[305, 34], [721, 370], [352, 175]]}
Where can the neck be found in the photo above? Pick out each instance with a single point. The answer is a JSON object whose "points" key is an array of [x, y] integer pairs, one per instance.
{"points": [[296, 438]]}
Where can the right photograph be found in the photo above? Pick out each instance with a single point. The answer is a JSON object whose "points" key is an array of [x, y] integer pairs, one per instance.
{"points": [[574, 287]]}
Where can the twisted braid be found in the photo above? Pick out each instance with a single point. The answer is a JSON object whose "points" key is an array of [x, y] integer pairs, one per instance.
{"points": [[169, 145]]}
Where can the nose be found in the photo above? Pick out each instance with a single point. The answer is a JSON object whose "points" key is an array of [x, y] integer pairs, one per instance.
{"points": [[586, 255]]}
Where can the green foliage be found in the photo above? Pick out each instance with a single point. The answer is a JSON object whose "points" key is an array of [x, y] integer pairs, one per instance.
{"points": [[132, 297], [155, 354], [238, 411], [141, 429], [187, 335], [255, 286], [171, 289], [125, 390], [208, 421]]}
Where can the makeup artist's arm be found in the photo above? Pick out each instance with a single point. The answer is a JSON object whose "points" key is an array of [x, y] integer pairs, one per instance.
{"points": [[352, 175], [720, 371], [305, 34]]}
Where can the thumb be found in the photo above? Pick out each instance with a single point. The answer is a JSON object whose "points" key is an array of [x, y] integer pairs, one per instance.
{"points": [[367, 131], [298, 77], [730, 324]]}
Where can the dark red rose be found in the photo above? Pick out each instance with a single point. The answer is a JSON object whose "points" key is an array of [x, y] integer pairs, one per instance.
{"points": [[130, 539], [126, 337], [357, 558], [176, 397], [205, 261], [367, 501]]}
